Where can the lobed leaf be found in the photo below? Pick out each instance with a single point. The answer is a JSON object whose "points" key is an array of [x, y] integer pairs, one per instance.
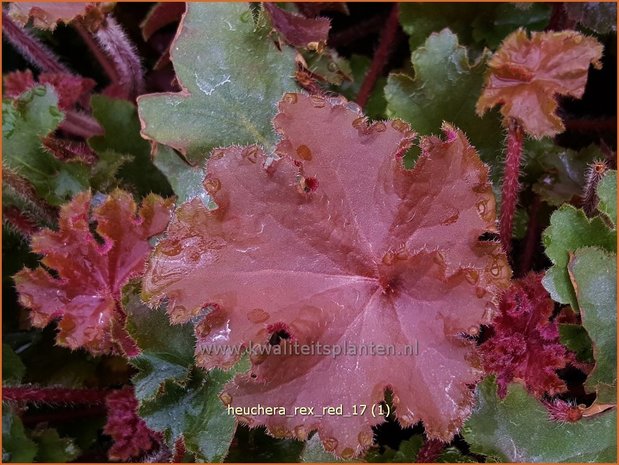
{"points": [[26, 120], [47, 15], [91, 269], [527, 74], [445, 85], [232, 82], [594, 276], [570, 230], [517, 429], [336, 241]]}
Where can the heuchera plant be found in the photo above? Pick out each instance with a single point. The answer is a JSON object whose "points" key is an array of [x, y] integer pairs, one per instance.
{"points": [[247, 234]]}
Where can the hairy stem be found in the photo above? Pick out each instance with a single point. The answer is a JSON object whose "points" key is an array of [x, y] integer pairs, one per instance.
{"points": [[430, 451], [511, 185], [533, 236], [179, 450], [385, 47], [115, 43], [104, 60], [18, 222], [81, 125], [595, 172], [31, 48], [54, 396], [25, 194]]}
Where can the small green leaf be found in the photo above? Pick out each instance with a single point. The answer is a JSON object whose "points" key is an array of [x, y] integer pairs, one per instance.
{"points": [[16, 445], [231, 82], [29, 118], [53, 448], [122, 148], [570, 229], [166, 350], [594, 276], [445, 87], [482, 27], [576, 338], [607, 193], [196, 412], [313, 451], [13, 369], [517, 429], [186, 180]]}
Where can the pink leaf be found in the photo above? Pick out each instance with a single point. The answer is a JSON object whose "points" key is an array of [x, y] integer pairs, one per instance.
{"points": [[337, 243], [47, 15], [528, 73], [85, 295], [297, 30], [525, 344], [70, 88]]}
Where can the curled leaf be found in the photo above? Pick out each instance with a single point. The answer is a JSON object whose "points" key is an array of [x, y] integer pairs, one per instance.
{"points": [[132, 438], [525, 344], [335, 242], [527, 74], [91, 269]]}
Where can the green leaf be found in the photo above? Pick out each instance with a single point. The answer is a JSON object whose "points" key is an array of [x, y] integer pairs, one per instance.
{"points": [[445, 86], [556, 173], [517, 429], [13, 369], [576, 338], [482, 27], [231, 82], [166, 350], [53, 448], [569, 230], [29, 118], [196, 412], [16, 445], [186, 180], [122, 145], [313, 451], [607, 193], [594, 276]]}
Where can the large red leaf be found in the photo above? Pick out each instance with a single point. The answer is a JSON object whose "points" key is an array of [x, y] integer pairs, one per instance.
{"points": [[527, 74], [85, 295], [334, 242]]}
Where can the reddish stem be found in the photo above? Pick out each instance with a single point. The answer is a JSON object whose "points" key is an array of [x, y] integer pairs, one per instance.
{"points": [[385, 47], [30, 47], [511, 186], [19, 222], [25, 191], [106, 63], [533, 236], [430, 451], [81, 125], [592, 125], [53, 395], [115, 43]]}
